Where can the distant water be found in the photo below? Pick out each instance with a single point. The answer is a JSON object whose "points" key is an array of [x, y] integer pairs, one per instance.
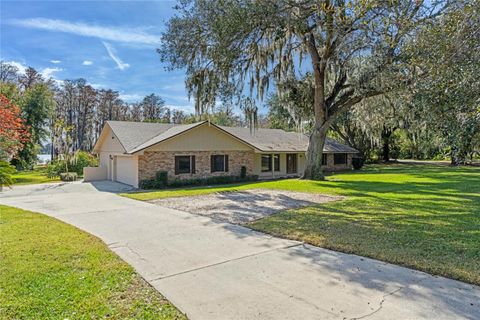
{"points": [[44, 158]]}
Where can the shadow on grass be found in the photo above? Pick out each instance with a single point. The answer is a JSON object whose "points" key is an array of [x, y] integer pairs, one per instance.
{"points": [[427, 218]]}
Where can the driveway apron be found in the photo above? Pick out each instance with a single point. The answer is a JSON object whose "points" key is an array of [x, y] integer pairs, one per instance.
{"points": [[215, 270]]}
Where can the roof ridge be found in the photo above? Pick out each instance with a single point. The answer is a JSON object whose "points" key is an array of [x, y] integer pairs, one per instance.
{"points": [[147, 144]]}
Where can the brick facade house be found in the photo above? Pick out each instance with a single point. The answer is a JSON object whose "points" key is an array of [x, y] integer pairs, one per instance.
{"points": [[133, 151]]}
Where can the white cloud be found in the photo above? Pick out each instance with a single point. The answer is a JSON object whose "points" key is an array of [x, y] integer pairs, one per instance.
{"points": [[131, 97], [87, 63], [20, 66], [186, 109], [113, 54], [178, 97], [103, 32], [55, 61], [49, 72]]}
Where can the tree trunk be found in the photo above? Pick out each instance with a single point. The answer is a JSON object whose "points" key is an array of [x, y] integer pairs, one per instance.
{"points": [[386, 135], [313, 169], [52, 147], [386, 150], [454, 159]]}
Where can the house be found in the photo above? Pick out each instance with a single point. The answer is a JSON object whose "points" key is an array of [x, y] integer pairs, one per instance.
{"points": [[132, 151]]}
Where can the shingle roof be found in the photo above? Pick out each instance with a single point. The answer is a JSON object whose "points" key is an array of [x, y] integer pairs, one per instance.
{"points": [[136, 136], [132, 134], [270, 139], [335, 146], [171, 132], [280, 140]]}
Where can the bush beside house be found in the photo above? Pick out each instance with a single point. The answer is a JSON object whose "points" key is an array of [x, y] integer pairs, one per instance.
{"points": [[70, 169], [161, 180]]}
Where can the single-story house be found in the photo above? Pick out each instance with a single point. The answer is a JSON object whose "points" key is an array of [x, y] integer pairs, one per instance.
{"points": [[132, 151]]}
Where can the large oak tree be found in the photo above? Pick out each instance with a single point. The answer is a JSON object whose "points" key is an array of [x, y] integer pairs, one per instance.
{"points": [[345, 44]]}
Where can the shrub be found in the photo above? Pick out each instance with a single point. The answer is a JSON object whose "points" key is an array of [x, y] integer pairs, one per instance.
{"points": [[55, 168], [6, 171], [160, 181], [82, 159], [147, 184], [68, 176], [211, 180], [357, 163], [162, 177]]}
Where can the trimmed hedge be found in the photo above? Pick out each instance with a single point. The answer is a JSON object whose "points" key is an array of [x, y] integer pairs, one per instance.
{"points": [[211, 180], [161, 181]]}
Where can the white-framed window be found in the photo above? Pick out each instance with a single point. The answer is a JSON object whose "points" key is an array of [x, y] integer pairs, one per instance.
{"points": [[219, 163], [184, 164]]}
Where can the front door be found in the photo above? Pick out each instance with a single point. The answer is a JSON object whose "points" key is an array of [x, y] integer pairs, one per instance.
{"points": [[291, 163]]}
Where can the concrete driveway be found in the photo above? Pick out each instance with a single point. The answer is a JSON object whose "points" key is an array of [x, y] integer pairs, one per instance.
{"points": [[213, 270]]}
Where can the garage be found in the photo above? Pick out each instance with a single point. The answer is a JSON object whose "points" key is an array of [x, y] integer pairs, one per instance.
{"points": [[127, 170]]}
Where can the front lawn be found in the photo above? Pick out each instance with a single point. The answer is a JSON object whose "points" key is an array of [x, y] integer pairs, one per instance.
{"points": [[51, 270], [189, 191], [37, 175], [421, 216]]}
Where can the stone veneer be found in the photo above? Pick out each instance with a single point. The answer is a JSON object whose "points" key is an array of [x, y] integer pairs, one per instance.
{"points": [[332, 167], [152, 161]]}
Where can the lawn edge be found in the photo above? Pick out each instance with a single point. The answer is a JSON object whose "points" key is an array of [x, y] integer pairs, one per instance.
{"points": [[135, 271]]}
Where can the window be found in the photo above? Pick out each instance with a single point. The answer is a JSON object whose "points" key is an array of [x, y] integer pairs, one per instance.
{"points": [[324, 159], [219, 163], [184, 164], [267, 162], [340, 158], [276, 162]]}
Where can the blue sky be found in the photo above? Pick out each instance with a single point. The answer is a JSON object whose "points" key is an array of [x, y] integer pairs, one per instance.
{"points": [[110, 43]]}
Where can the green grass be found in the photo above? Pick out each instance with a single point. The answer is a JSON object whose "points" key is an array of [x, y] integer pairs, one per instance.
{"points": [[51, 270], [421, 216], [38, 175], [188, 191]]}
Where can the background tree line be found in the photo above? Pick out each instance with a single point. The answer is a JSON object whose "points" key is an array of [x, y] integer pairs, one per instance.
{"points": [[68, 116]]}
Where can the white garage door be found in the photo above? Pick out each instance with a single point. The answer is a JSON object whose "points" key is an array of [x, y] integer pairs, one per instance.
{"points": [[127, 170]]}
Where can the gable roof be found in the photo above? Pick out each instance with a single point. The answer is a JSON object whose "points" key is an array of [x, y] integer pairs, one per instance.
{"points": [[170, 133], [136, 136], [131, 134]]}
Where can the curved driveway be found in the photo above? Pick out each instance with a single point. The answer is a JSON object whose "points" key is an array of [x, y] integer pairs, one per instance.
{"points": [[213, 270]]}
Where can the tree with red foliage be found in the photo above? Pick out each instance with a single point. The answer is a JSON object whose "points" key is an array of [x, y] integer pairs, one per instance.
{"points": [[13, 131]]}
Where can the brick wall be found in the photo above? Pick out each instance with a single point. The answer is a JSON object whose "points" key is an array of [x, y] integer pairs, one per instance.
{"points": [[151, 162], [332, 167]]}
